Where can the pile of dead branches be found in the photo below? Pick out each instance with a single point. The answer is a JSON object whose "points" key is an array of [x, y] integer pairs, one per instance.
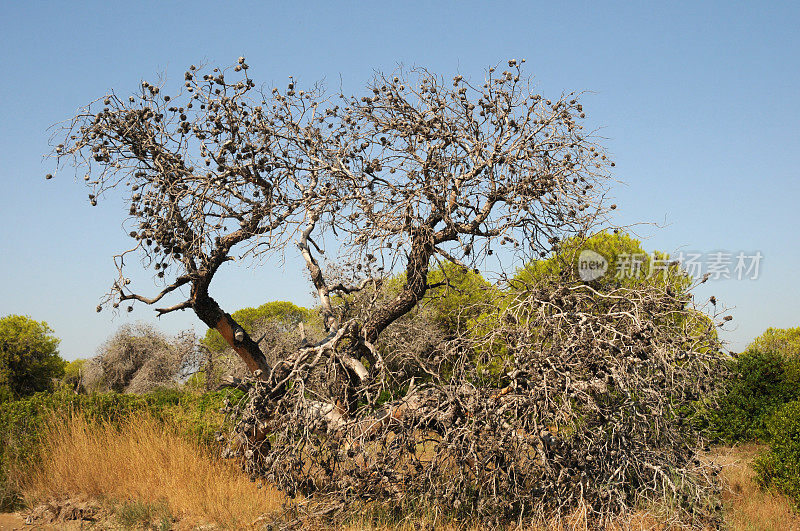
{"points": [[559, 396]]}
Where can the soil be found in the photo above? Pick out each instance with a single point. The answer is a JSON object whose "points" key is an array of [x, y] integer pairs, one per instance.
{"points": [[9, 521], [69, 514]]}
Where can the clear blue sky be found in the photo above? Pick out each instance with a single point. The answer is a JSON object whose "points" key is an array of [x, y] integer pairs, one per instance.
{"points": [[699, 102]]}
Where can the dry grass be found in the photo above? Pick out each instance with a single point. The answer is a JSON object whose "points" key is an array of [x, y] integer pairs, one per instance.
{"points": [[145, 463], [747, 506], [576, 521], [142, 461]]}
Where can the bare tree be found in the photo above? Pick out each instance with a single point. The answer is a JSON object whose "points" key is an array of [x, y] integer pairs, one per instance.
{"points": [[417, 170], [139, 358]]}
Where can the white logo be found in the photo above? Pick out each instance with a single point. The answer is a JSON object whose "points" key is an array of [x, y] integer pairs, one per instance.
{"points": [[591, 265]]}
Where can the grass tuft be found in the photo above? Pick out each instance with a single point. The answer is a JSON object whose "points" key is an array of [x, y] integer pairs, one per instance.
{"points": [[138, 515], [748, 507], [160, 474]]}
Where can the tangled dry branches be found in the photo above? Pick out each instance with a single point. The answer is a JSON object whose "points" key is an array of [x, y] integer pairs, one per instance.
{"points": [[139, 358], [560, 395], [564, 397]]}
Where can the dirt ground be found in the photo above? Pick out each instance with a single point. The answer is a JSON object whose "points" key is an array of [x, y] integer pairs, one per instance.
{"points": [[10, 521], [16, 521]]}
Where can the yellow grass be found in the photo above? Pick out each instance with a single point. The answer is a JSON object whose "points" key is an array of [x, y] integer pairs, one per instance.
{"points": [[747, 506], [144, 462]]}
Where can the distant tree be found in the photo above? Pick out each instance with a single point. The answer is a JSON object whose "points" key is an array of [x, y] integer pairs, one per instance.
{"points": [[283, 313], [453, 293], [627, 262], [783, 341], [457, 295], [278, 327], [73, 374], [29, 359], [629, 266], [139, 358]]}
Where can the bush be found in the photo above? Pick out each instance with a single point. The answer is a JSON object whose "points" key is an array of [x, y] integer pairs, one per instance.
{"points": [[139, 358], [779, 467], [29, 359], [785, 341], [73, 374], [758, 384]]}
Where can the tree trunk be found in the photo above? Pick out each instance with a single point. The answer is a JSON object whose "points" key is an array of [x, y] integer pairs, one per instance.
{"points": [[212, 315], [414, 289]]}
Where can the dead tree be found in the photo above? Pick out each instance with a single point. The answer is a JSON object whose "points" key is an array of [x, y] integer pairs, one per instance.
{"points": [[417, 169]]}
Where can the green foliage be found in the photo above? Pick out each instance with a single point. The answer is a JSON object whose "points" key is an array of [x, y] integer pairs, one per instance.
{"points": [[29, 359], [761, 380], [494, 354], [784, 341], [619, 250], [455, 303], [779, 467], [22, 422], [133, 514], [196, 383], [73, 373], [290, 315], [758, 384], [5, 390], [453, 297]]}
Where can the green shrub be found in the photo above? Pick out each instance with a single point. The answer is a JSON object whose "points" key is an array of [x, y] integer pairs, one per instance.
{"points": [[629, 265], [785, 341], [459, 300], [779, 467], [134, 514], [29, 359], [73, 374], [759, 382]]}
